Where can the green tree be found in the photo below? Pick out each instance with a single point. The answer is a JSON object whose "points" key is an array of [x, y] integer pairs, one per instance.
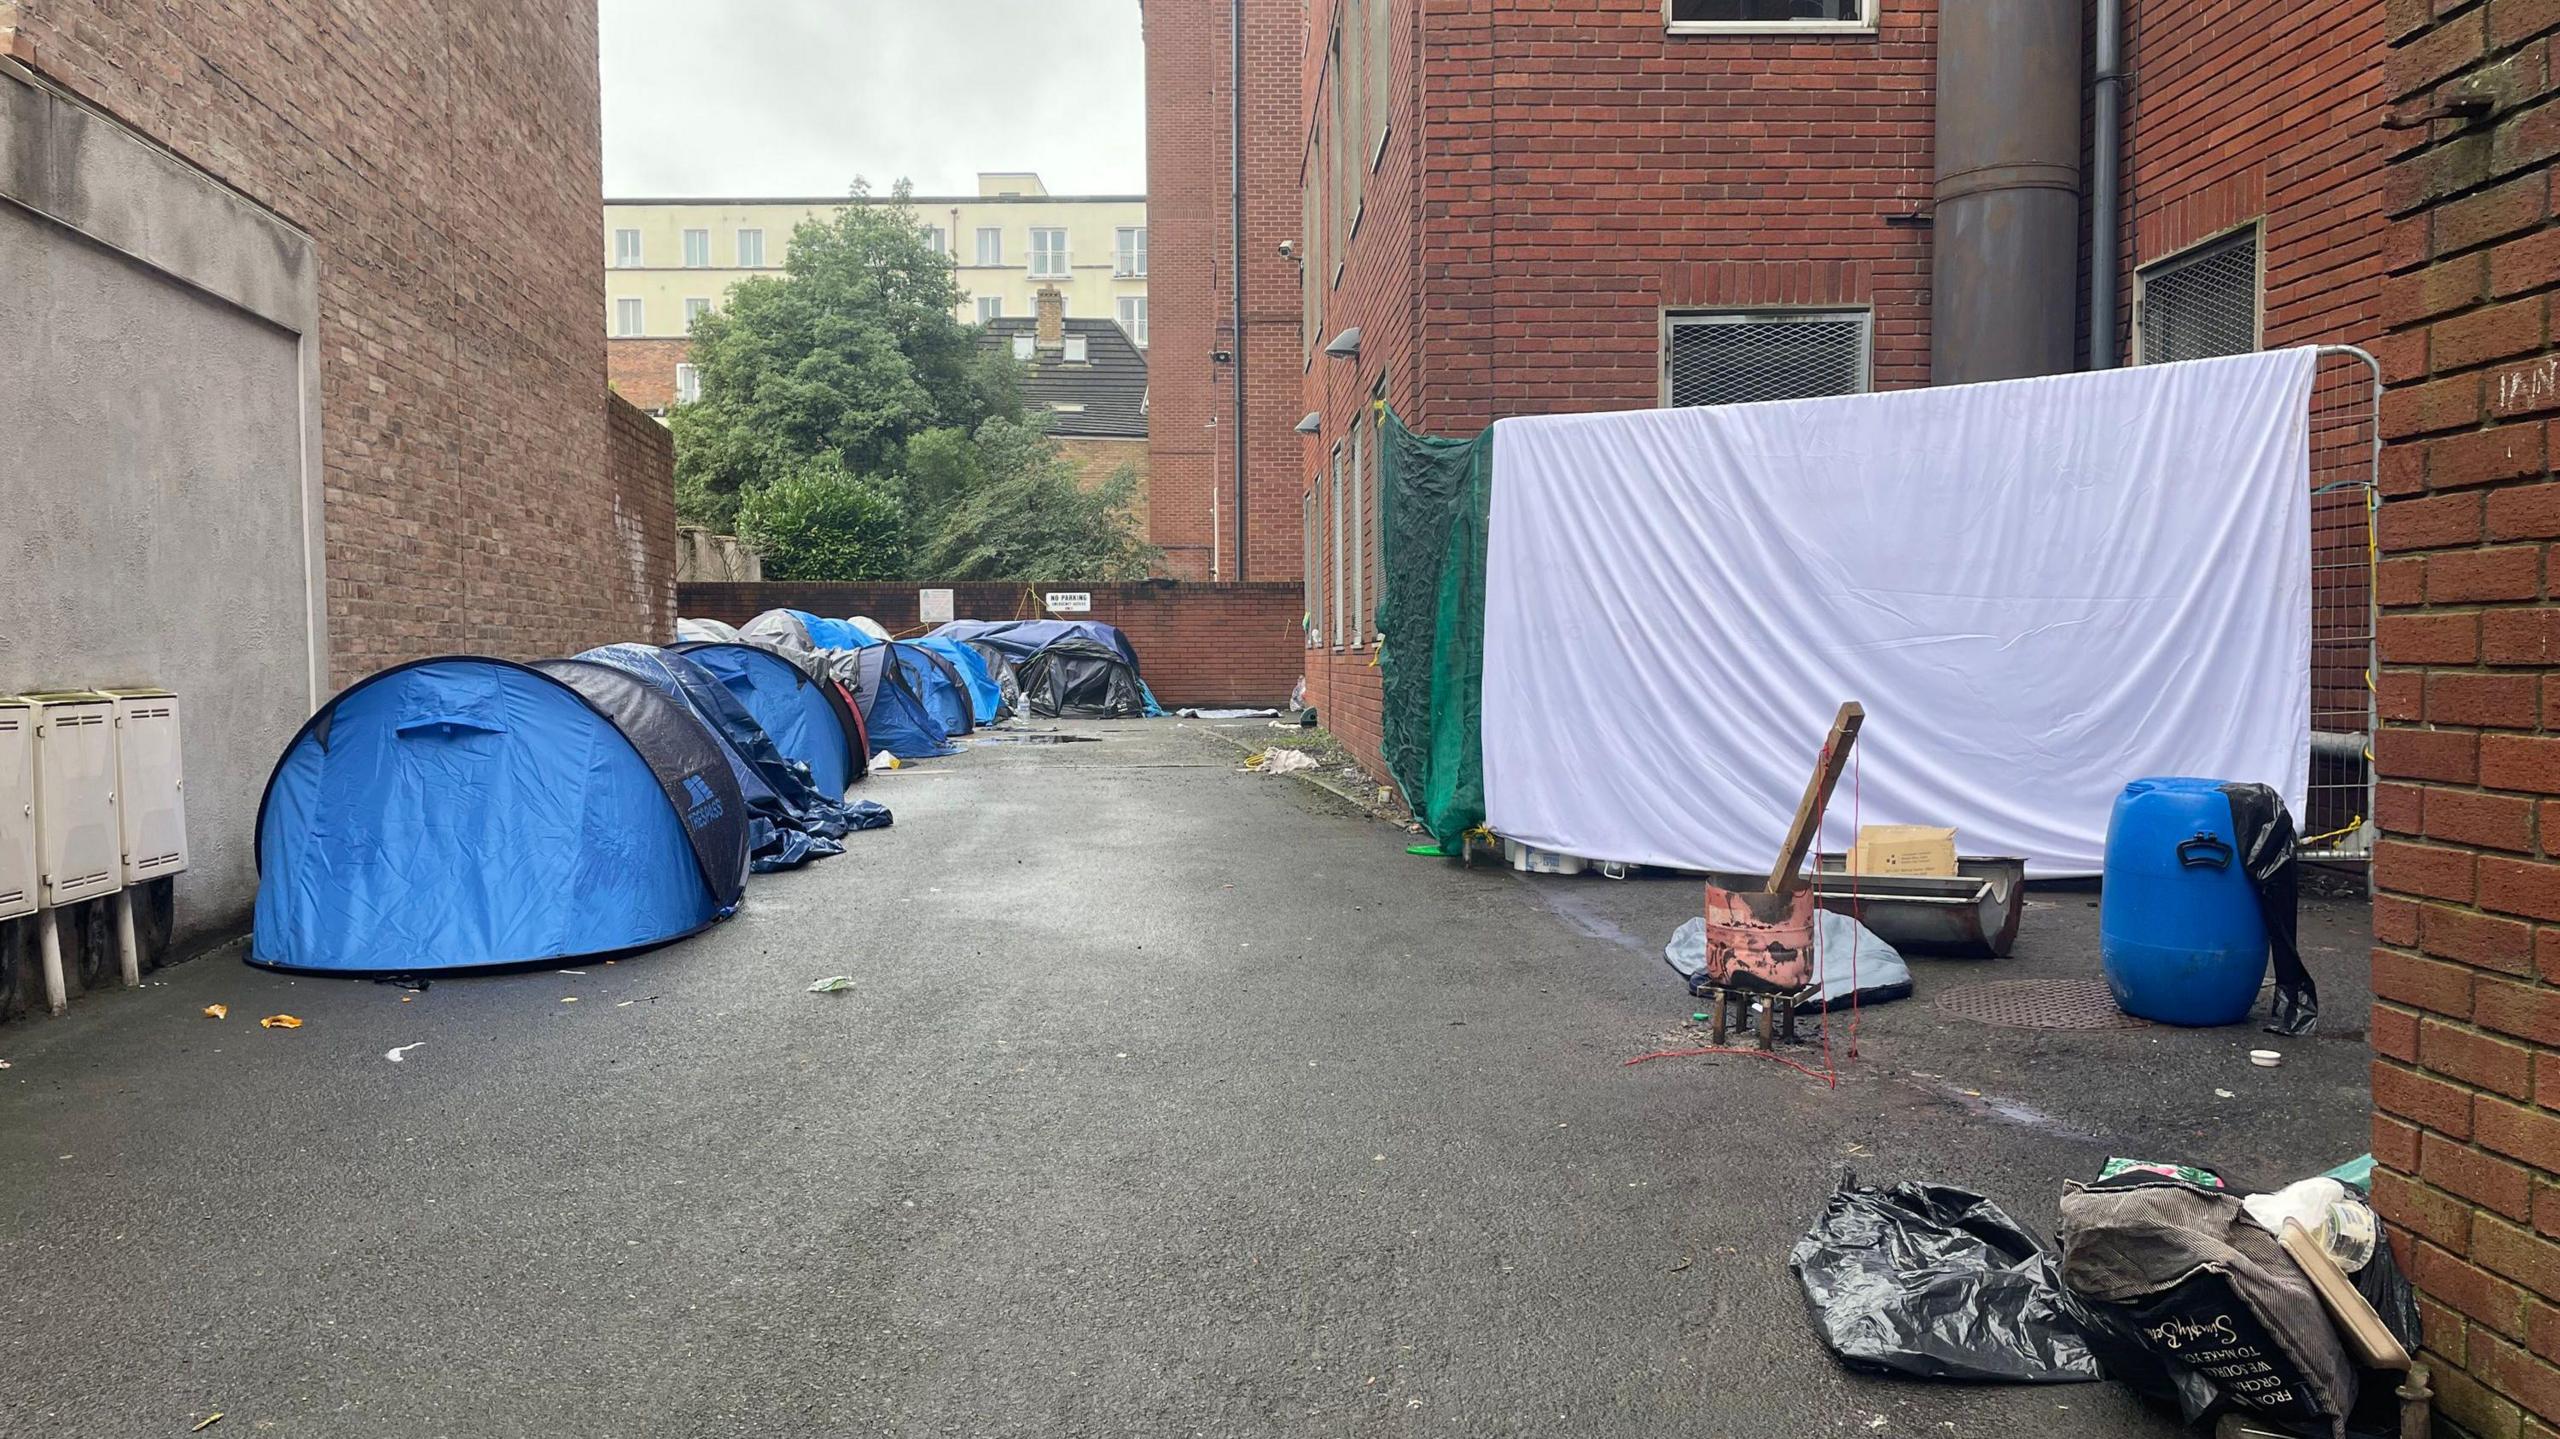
{"points": [[853, 353], [817, 521], [850, 428], [1016, 511]]}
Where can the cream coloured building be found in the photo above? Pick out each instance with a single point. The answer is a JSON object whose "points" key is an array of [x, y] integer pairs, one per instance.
{"points": [[667, 261]]}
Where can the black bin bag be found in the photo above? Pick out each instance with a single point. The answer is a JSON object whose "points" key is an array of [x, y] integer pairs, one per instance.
{"points": [[1936, 1282]]}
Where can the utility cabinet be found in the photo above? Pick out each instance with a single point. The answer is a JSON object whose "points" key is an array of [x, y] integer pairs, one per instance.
{"points": [[151, 784], [17, 810], [79, 842]]}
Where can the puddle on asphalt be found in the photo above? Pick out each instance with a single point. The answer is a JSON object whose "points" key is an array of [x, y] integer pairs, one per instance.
{"points": [[1037, 739]]}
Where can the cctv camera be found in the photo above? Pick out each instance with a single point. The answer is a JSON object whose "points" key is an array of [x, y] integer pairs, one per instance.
{"points": [[1289, 249]]}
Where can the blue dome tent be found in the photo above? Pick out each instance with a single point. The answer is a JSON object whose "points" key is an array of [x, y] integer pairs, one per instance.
{"points": [[938, 680], [986, 700], [801, 824], [470, 813], [798, 711], [893, 708]]}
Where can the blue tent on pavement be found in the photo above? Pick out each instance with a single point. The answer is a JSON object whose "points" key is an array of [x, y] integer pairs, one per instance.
{"points": [[467, 813], [893, 707], [796, 710], [804, 824], [938, 680], [986, 700]]}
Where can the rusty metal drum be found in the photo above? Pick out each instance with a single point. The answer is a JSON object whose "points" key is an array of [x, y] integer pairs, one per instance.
{"points": [[1760, 941]]}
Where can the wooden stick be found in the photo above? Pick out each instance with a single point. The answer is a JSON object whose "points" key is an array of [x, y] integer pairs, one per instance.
{"points": [[1817, 794]]}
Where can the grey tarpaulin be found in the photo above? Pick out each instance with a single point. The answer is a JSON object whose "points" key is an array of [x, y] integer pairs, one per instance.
{"points": [[1937, 1283]]}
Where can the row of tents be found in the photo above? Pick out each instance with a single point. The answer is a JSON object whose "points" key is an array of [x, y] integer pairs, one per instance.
{"points": [[469, 813]]}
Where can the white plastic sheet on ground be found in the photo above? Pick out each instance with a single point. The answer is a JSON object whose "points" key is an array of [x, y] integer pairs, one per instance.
{"points": [[2039, 589]]}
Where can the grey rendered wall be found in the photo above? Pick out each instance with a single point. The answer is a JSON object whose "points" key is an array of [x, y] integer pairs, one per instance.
{"points": [[156, 508]]}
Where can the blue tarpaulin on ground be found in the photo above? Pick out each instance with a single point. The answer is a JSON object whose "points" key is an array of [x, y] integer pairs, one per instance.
{"points": [[466, 812]]}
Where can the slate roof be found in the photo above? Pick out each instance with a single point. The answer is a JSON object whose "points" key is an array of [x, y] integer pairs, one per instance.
{"points": [[1111, 384]]}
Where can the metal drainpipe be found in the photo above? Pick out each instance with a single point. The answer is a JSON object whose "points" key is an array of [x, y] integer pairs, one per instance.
{"points": [[1236, 85], [2106, 159]]}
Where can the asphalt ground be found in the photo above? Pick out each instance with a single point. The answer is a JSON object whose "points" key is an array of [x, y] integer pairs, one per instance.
{"points": [[1169, 1099]]}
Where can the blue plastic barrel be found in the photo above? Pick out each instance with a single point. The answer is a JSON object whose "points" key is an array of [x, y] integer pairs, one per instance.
{"points": [[2178, 924]]}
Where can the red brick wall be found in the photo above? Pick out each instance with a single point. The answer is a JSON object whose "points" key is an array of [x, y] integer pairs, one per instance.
{"points": [[2262, 110], [445, 160], [1196, 644], [2466, 1022], [644, 371], [1557, 176], [642, 457], [1191, 285]]}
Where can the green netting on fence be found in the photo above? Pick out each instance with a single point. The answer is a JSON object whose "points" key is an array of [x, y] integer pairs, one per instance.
{"points": [[1434, 497]]}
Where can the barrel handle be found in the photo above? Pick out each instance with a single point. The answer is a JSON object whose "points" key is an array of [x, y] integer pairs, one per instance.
{"points": [[2206, 851]]}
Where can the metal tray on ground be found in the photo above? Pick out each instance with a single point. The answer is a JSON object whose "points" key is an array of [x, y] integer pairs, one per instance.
{"points": [[1974, 913]]}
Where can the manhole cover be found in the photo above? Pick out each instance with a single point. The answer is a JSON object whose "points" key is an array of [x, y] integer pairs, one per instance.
{"points": [[2040, 1004]]}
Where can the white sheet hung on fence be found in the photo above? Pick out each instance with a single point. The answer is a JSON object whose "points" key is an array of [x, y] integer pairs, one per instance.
{"points": [[2039, 589]]}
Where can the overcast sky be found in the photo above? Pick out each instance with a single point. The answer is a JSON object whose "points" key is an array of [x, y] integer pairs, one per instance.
{"points": [[797, 97]]}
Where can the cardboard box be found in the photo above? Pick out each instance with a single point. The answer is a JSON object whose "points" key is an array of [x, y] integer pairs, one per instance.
{"points": [[1904, 849]]}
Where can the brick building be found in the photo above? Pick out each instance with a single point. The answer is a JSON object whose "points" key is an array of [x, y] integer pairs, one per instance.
{"points": [[303, 387], [2466, 1023], [1192, 145], [1612, 203]]}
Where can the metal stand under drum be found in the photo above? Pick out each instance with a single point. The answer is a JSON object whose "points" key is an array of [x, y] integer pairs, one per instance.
{"points": [[1777, 1013]]}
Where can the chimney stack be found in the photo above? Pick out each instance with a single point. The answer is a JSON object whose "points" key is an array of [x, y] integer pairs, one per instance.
{"points": [[1051, 328]]}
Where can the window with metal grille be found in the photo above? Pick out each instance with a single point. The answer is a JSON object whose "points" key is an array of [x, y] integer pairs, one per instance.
{"points": [[2199, 304], [1740, 356]]}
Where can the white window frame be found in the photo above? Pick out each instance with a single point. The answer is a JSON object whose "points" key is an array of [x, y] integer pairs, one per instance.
{"points": [[1134, 305], [688, 378], [626, 257], [1075, 350], [2145, 276], [695, 307], [689, 237], [744, 233], [630, 317], [1129, 252], [1673, 320], [1052, 264], [990, 307], [1339, 589], [990, 244], [1359, 538], [1865, 24], [1374, 419], [934, 236], [1310, 525]]}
